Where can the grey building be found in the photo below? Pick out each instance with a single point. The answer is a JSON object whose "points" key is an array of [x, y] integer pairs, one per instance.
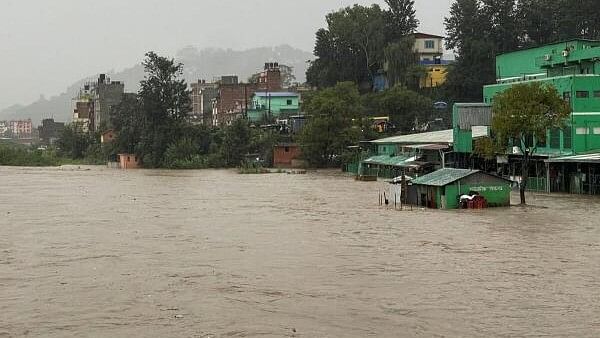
{"points": [[202, 96], [106, 95], [49, 131]]}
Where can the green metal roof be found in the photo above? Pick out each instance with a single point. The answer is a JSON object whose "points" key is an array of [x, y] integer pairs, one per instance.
{"points": [[444, 177], [586, 158], [434, 137], [394, 161]]}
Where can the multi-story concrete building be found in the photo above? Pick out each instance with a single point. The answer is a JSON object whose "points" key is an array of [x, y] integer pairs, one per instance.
{"points": [[573, 68], [92, 107], [430, 51], [21, 129], [431, 56], [234, 99], [4, 130], [273, 105], [202, 96], [568, 159], [83, 109], [269, 79], [107, 94], [49, 131], [429, 47]]}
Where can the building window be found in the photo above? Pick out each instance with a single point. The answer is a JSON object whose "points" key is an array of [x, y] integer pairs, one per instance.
{"points": [[429, 44], [582, 94], [567, 96], [597, 93], [555, 138], [596, 130], [568, 137], [582, 131], [289, 102], [287, 149]]}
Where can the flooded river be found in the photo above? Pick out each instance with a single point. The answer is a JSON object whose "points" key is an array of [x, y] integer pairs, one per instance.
{"points": [[108, 253]]}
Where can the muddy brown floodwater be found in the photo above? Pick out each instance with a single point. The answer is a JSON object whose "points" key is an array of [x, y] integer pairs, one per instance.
{"points": [[108, 253]]}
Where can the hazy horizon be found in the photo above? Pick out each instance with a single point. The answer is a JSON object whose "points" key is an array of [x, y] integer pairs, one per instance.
{"points": [[50, 45]]}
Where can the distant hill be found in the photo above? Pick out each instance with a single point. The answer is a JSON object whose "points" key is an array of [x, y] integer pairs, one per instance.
{"points": [[198, 64]]}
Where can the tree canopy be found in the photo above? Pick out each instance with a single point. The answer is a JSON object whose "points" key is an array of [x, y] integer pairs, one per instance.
{"points": [[352, 48], [522, 116], [164, 103], [330, 129], [478, 30]]}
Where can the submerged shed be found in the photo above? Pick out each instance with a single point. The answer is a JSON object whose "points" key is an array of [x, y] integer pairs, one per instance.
{"points": [[442, 189]]}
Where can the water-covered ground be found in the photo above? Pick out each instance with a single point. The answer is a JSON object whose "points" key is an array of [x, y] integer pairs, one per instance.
{"points": [[108, 253]]}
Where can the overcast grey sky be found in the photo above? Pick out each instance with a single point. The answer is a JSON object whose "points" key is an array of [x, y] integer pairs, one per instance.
{"points": [[47, 45]]}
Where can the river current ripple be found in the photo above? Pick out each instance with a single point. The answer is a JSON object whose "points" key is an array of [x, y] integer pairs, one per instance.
{"points": [[94, 252]]}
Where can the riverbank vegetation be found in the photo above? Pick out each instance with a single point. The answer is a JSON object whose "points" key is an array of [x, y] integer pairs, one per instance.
{"points": [[17, 155], [30, 156]]}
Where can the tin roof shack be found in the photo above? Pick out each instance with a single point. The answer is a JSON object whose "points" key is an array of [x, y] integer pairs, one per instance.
{"points": [[412, 154], [442, 189]]}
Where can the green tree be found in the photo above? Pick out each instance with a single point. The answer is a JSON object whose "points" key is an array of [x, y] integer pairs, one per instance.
{"points": [[579, 20], [127, 120], [164, 103], [330, 129], [522, 115], [352, 47], [73, 142], [468, 34], [405, 107], [236, 143], [362, 28], [400, 19], [402, 63], [183, 154], [540, 21], [505, 28]]}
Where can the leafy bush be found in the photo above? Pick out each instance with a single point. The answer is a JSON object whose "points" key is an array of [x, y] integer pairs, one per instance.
{"points": [[12, 155]]}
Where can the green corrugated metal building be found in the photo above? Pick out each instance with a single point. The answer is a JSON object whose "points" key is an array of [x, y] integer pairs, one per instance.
{"points": [[442, 189]]}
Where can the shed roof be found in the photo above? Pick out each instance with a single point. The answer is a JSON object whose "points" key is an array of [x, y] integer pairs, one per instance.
{"points": [[444, 177], [394, 161], [419, 35], [586, 158], [447, 176], [276, 94], [427, 146], [438, 137]]}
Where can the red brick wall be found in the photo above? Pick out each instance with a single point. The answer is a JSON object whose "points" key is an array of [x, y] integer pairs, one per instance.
{"points": [[129, 161], [284, 155]]}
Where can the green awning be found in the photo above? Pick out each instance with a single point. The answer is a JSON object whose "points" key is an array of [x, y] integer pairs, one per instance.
{"points": [[393, 161]]}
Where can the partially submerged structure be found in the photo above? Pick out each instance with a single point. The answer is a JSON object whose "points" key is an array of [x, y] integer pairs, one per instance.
{"points": [[443, 189], [412, 154], [129, 161]]}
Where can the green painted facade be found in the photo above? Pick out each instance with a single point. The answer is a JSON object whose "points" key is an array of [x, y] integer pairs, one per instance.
{"points": [[573, 68], [534, 62], [273, 105], [463, 138], [390, 149], [444, 188], [582, 133]]}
